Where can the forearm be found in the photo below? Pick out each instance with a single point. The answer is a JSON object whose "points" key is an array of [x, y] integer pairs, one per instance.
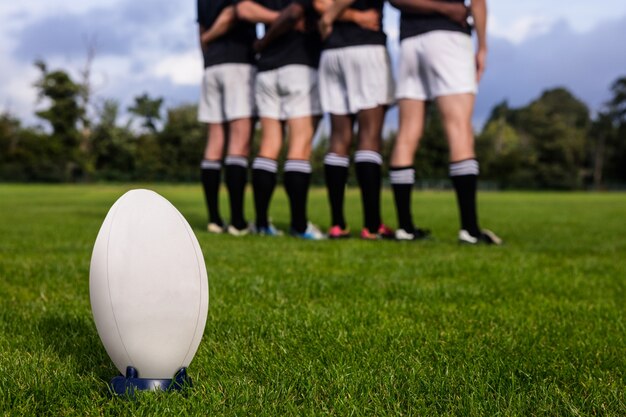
{"points": [[283, 24], [348, 15], [479, 13], [335, 10], [255, 13], [222, 25], [421, 6], [321, 6]]}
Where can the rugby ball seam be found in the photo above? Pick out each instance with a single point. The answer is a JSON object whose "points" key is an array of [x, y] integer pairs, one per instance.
{"points": [[117, 328]]}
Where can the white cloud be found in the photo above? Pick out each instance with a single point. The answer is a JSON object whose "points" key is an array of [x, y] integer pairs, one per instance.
{"points": [[36, 9], [181, 69], [521, 29]]}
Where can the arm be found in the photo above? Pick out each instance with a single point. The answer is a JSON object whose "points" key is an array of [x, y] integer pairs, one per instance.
{"points": [[225, 20], [255, 13], [331, 14], [454, 11], [479, 13], [367, 19], [286, 21]]}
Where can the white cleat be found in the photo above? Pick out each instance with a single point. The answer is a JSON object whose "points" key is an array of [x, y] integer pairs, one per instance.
{"points": [[486, 237], [215, 228]]}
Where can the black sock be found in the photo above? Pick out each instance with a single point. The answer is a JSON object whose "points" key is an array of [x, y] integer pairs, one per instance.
{"points": [[464, 176], [210, 176], [402, 182], [263, 184], [297, 180], [236, 177], [368, 173], [336, 175]]}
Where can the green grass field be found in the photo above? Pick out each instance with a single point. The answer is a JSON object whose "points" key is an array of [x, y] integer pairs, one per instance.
{"points": [[536, 327]]}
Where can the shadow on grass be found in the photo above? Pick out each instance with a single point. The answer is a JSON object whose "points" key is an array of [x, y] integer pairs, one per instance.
{"points": [[76, 342]]}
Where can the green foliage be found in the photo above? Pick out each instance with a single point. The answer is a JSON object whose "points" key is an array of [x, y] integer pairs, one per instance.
{"points": [[615, 135], [63, 115], [432, 158], [551, 143], [182, 144], [541, 145], [533, 328], [149, 109], [114, 148]]}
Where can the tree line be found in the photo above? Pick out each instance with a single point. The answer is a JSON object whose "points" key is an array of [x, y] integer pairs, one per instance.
{"points": [[554, 142]]}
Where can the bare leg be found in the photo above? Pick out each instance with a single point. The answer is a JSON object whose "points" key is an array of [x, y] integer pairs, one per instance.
{"points": [[301, 131], [214, 149], [410, 131], [371, 128], [402, 173], [456, 111], [341, 133]]}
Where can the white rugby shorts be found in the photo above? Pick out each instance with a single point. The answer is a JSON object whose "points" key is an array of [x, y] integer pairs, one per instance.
{"points": [[288, 92], [437, 63], [355, 78], [227, 93]]}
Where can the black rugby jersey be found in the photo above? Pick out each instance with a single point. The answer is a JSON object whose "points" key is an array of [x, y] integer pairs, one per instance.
{"points": [[350, 34], [293, 47], [413, 24], [234, 47]]}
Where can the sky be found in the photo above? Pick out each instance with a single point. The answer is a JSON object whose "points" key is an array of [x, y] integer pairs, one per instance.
{"points": [[152, 47]]}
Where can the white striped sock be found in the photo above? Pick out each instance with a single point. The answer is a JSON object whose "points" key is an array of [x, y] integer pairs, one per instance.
{"points": [[402, 176], [335, 160], [467, 167], [368, 156], [209, 164], [265, 164], [242, 161], [296, 165]]}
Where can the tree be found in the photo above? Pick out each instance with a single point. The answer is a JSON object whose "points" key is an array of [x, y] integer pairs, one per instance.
{"points": [[114, 149], [615, 139], [63, 114], [182, 143], [505, 155], [64, 111], [149, 109], [549, 141]]}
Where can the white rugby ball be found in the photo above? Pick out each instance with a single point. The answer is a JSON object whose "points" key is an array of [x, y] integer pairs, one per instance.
{"points": [[148, 286]]}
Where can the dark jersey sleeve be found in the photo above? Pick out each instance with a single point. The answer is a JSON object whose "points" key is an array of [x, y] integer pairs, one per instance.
{"points": [[200, 10]]}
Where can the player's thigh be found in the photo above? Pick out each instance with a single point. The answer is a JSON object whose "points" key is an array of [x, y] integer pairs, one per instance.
{"points": [[239, 136], [341, 130], [456, 114], [214, 149], [370, 128], [410, 130], [271, 138], [300, 133]]}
